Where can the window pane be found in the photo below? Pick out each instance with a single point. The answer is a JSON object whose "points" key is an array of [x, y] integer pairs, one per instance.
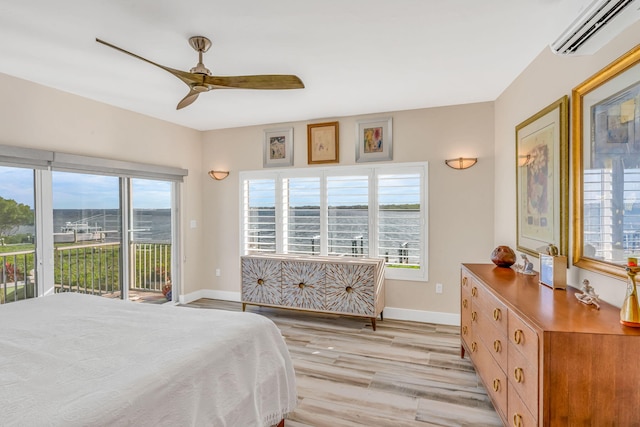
{"points": [[303, 222], [150, 240], [348, 215], [17, 234], [87, 233], [399, 221], [260, 216]]}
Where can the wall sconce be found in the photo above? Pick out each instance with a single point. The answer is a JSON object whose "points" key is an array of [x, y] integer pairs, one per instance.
{"points": [[461, 162], [218, 175]]}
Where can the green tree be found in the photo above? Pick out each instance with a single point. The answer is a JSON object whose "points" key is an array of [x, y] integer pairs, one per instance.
{"points": [[12, 215]]}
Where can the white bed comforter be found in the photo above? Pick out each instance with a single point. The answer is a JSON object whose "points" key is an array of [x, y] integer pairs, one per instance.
{"points": [[79, 360]]}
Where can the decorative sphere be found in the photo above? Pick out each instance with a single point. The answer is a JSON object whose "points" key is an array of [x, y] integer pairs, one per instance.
{"points": [[503, 256]]}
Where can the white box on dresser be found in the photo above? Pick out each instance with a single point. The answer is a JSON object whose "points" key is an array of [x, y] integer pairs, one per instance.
{"points": [[330, 284]]}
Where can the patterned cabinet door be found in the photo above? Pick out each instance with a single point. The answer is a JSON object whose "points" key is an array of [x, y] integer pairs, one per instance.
{"points": [[261, 280], [303, 285], [350, 288]]}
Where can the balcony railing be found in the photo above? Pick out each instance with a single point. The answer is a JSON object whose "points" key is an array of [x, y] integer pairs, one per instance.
{"points": [[88, 268], [17, 280]]}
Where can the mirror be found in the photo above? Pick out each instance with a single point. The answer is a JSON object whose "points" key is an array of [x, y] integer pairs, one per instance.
{"points": [[606, 167]]}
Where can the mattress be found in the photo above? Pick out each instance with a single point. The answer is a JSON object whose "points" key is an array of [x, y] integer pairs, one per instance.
{"points": [[76, 360]]}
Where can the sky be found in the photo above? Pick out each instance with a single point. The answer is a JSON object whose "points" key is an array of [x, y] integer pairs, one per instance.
{"points": [[84, 191]]}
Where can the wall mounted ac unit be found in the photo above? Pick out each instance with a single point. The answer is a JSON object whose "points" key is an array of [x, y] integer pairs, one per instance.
{"points": [[598, 23]]}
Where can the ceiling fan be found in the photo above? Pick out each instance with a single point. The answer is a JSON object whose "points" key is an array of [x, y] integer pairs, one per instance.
{"points": [[199, 78]]}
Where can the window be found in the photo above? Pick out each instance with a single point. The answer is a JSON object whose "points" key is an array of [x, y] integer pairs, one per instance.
{"points": [[358, 211], [260, 215], [302, 197]]}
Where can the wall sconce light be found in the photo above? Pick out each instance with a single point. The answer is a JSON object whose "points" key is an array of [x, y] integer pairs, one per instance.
{"points": [[218, 175], [461, 162]]}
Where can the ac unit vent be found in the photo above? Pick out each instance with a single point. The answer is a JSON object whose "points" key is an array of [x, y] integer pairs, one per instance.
{"points": [[597, 24]]}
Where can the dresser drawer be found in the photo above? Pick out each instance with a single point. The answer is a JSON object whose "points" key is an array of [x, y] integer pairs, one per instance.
{"points": [[466, 331], [523, 338], [493, 338], [493, 377], [523, 378], [495, 310], [518, 415], [465, 283]]}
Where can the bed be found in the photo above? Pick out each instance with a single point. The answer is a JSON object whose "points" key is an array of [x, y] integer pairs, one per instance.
{"points": [[75, 360]]}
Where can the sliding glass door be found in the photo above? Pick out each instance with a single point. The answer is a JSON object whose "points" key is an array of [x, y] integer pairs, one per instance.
{"points": [[150, 240], [17, 234], [87, 233]]}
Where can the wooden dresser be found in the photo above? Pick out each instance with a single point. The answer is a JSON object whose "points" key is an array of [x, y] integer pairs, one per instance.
{"points": [[545, 358], [341, 285]]}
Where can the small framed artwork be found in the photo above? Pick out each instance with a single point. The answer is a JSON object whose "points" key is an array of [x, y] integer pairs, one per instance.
{"points": [[374, 140], [323, 143], [278, 147], [542, 175]]}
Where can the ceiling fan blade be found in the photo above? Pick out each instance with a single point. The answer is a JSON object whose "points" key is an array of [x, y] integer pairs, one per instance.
{"points": [[188, 100], [265, 81], [188, 78]]}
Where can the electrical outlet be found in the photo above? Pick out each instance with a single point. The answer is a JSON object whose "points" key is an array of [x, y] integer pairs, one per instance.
{"points": [[218, 272], [438, 288]]}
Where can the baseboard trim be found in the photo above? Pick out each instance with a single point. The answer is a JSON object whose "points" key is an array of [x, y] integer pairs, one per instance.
{"points": [[422, 316], [391, 313], [211, 294]]}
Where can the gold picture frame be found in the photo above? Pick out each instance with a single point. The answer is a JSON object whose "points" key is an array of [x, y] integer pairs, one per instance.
{"points": [[542, 175], [606, 145], [323, 143]]}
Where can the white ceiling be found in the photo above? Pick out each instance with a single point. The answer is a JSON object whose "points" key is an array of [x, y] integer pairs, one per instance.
{"points": [[354, 56]]}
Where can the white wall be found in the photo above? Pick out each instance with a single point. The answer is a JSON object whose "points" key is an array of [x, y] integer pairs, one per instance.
{"points": [[35, 116], [545, 80], [461, 202]]}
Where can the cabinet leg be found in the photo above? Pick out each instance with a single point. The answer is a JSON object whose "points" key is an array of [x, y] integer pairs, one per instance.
{"points": [[244, 305], [373, 323], [461, 351], [382, 315]]}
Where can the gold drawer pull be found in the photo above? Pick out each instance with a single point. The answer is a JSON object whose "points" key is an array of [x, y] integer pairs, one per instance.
{"points": [[496, 385], [474, 291], [474, 346], [517, 420], [464, 330], [497, 314], [518, 374], [301, 285], [464, 303], [474, 316], [260, 282], [497, 346], [464, 281], [518, 336]]}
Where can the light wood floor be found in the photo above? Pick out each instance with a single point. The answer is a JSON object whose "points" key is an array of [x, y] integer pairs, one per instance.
{"points": [[403, 374]]}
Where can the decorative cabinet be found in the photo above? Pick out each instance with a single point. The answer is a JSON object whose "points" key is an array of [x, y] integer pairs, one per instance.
{"points": [[545, 358], [341, 285]]}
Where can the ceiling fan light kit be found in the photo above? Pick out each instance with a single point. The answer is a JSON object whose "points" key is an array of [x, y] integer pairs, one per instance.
{"points": [[199, 78]]}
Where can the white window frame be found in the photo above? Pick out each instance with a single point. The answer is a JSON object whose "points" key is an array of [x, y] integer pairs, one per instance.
{"points": [[372, 171]]}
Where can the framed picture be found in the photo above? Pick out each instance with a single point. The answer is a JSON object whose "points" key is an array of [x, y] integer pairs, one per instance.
{"points": [[542, 174], [278, 147], [606, 159], [374, 140], [323, 144]]}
